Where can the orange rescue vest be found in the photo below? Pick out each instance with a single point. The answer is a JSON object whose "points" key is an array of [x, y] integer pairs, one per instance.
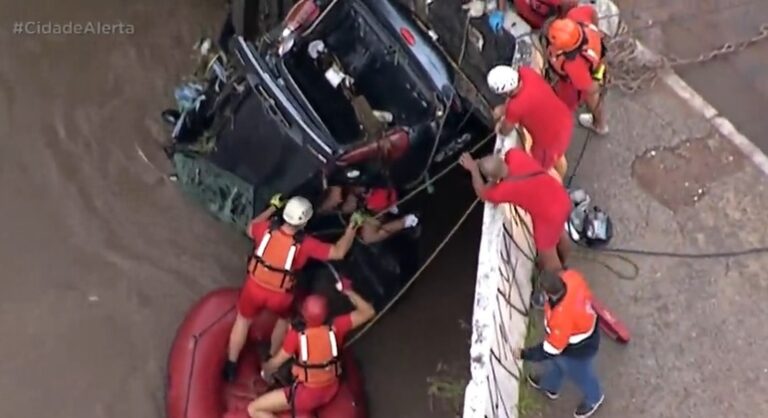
{"points": [[271, 263], [591, 49], [573, 319], [317, 363]]}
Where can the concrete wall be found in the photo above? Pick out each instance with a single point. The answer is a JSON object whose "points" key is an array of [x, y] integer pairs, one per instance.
{"points": [[505, 267], [499, 319]]}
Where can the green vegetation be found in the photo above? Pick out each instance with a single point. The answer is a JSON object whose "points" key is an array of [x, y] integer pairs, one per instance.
{"points": [[446, 390], [529, 402]]}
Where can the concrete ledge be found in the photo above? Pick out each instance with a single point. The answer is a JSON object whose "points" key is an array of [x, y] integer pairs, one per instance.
{"points": [[505, 268]]}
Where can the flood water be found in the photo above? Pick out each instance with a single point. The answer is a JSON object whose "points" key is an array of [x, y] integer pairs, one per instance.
{"points": [[101, 255]]}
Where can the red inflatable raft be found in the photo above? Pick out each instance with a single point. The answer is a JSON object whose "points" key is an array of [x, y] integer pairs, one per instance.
{"points": [[195, 385]]}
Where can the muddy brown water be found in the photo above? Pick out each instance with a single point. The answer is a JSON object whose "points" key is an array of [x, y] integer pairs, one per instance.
{"points": [[101, 255]]}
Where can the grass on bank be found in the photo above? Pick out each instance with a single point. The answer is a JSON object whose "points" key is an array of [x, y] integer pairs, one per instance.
{"points": [[446, 390], [529, 402]]}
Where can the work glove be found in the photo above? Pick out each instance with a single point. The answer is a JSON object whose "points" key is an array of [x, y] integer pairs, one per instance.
{"points": [[277, 201], [357, 219], [475, 8], [410, 220], [496, 21]]}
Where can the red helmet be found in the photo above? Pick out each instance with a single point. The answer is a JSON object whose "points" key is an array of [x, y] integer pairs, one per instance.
{"points": [[314, 310]]}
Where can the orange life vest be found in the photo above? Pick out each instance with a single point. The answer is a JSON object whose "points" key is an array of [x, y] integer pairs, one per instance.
{"points": [[573, 319], [590, 49], [271, 263], [317, 363]]}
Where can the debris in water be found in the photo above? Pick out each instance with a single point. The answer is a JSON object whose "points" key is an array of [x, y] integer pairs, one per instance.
{"points": [[146, 160]]}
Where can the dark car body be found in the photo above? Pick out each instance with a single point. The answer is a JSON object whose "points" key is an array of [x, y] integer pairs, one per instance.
{"points": [[270, 121]]}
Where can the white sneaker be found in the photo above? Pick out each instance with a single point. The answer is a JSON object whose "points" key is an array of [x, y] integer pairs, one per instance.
{"points": [[411, 220], [587, 120]]}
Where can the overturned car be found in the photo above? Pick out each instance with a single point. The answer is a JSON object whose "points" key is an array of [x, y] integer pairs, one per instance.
{"points": [[347, 93]]}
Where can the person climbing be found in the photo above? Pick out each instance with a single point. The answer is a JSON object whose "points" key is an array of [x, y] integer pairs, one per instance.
{"points": [[576, 55], [532, 104], [314, 344], [533, 12], [281, 248], [520, 180], [369, 202], [571, 343]]}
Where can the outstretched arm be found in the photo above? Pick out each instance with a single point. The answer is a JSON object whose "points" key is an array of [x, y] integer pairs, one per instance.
{"points": [[340, 249], [478, 184], [363, 312], [263, 216]]}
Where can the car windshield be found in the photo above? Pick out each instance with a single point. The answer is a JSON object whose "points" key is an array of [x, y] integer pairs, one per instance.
{"points": [[355, 78]]}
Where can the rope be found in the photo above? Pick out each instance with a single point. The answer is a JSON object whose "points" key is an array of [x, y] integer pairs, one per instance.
{"points": [[437, 177], [629, 72], [416, 275], [669, 254], [425, 173]]}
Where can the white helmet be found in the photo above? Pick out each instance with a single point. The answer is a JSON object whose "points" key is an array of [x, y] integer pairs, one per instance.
{"points": [[502, 79], [297, 211]]}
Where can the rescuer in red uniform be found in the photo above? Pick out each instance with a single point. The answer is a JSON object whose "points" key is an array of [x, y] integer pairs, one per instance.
{"points": [[281, 248], [576, 53], [572, 340], [520, 180], [315, 345], [532, 104]]}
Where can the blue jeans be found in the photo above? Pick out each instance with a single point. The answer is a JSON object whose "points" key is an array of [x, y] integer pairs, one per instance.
{"points": [[579, 371]]}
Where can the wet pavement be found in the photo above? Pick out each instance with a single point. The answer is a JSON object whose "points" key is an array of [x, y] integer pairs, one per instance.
{"points": [[736, 85], [671, 183]]}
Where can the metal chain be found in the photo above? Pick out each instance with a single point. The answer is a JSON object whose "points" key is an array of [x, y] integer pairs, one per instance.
{"points": [[630, 70]]}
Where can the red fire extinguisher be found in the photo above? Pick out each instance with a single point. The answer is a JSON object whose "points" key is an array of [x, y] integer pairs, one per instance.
{"points": [[610, 324], [301, 14]]}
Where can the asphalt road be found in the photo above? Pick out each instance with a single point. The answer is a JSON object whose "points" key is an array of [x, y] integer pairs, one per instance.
{"points": [[736, 85]]}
